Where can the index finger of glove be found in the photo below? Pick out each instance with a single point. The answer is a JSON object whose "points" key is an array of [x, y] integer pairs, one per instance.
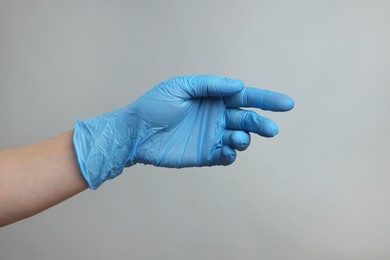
{"points": [[210, 86], [258, 98]]}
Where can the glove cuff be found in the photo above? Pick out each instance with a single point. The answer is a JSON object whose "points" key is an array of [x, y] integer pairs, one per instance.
{"points": [[104, 146]]}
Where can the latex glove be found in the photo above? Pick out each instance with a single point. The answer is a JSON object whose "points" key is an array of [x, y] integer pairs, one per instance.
{"points": [[182, 122]]}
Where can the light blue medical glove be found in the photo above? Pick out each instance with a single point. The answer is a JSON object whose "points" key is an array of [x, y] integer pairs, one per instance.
{"points": [[182, 122]]}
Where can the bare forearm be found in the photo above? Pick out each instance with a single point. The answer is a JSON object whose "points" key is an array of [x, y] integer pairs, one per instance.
{"points": [[37, 177]]}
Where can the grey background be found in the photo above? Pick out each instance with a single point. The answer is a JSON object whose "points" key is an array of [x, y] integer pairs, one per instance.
{"points": [[320, 190]]}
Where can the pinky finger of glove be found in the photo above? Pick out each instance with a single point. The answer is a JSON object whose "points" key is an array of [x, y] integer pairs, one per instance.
{"points": [[224, 156]]}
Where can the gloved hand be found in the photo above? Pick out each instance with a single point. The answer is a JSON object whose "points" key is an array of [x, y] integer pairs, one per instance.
{"points": [[182, 122]]}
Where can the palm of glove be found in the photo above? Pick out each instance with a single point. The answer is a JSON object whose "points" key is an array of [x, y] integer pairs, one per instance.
{"points": [[181, 132]]}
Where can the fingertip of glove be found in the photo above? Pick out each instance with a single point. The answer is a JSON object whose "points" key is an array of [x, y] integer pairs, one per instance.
{"points": [[228, 155], [281, 102], [239, 140], [290, 103], [270, 129], [286, 103]]}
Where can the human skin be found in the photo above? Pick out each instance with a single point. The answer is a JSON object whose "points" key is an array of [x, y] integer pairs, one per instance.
{"points": [[37, 177]]}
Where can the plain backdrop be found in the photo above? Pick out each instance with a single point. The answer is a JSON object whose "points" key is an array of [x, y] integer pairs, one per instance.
{"points": [[319, 190]]}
